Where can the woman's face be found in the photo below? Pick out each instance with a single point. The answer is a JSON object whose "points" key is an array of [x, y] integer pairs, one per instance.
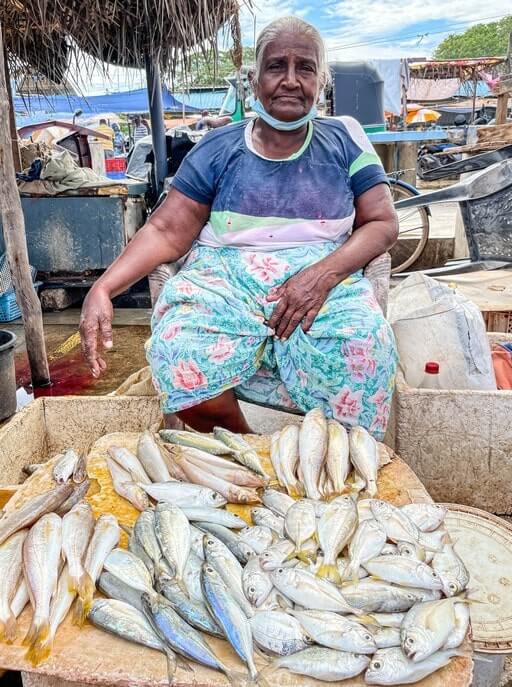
{"points": [[288, 84]]}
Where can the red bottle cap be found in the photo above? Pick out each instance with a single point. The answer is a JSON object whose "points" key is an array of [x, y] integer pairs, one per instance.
{"points": [[432, 368]]}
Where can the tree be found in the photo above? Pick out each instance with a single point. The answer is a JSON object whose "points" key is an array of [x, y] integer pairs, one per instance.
{"points": [[481, 40], [208, 71]]}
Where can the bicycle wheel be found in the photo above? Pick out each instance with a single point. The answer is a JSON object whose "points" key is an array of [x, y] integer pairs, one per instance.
{"points": [[413, 230]]}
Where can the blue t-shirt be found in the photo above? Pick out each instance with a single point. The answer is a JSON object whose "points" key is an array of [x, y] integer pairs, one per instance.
{"points": [[268, 204]]}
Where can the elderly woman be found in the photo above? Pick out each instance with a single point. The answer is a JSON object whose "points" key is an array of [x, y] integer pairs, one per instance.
{"points": [[278, 216]]}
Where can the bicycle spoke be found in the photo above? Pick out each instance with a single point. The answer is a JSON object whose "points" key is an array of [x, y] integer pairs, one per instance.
{"points": [[406, 231], [402, 218]]}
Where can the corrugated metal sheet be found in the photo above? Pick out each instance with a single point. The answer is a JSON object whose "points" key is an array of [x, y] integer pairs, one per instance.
{"points": [[202, 100]]}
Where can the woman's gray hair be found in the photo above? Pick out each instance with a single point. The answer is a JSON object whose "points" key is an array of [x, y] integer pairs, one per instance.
{"points": [[297, 26]]}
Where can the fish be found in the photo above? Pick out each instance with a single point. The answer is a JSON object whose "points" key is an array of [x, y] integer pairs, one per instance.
{"points": [[11, 559], [390, 550], [388, 619], [216, 516], [230, 492], [318, 506], [460, 630], [169, 455], [77, 495], [130, 463], [259, 538], [203, 442], [300, 527], [33, 467], [278, 632], [275, 556], [65, 466], [256, 583], [451, 569], [123, 485], [32, 511], [392, 667], [308, 590], [275, 602], [121, 619], [426, 516], [192, 578], [343, 563], [367, 543], [172, 530], [277, 501], [184, 494], [364, 511], [151, 459], [196, 540], [404, 571], [364, 455], [41, 556], [335, 631], [242, 451], [395, 522], [265, 518], [229, 616], [194, 613], [129, 569], [386, 637], [144, 540], [374, 596], [220, 557], [222, 467], [20, 598], [313, 438], [105, 538], [237, 546], [184, 639], [60, 605], [77, 529], [275, 458], [334, 530], [324, 664], [114, 588], [288, 459], [427, 627], [337, 461]]}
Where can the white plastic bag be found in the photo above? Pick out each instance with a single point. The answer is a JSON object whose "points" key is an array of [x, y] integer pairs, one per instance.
{"points": [[433, 323]]}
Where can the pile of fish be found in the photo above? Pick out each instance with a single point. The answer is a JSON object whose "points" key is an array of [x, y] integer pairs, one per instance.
{"points": [[51, 560], [326, 590]]}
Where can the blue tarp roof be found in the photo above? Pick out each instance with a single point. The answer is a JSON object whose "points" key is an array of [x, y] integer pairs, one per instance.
{"points": [[467, 89]]}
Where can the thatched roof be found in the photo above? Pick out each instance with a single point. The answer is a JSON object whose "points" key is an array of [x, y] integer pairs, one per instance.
{"points": [[43, 33]]}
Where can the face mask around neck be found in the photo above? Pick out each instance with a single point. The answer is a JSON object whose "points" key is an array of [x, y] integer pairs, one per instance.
{"points": [[277, 123]]}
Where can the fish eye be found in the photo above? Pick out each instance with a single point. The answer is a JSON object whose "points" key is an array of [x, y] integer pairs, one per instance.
{"points": [[367, 637], [409, 641], [434, 574], [280, 570], [209, 569], [252, 590], [376, 665], [452, 587], [210, 542]]}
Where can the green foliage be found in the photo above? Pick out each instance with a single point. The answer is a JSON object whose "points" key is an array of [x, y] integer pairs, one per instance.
{"points": [[481, 40], [210, 71]]}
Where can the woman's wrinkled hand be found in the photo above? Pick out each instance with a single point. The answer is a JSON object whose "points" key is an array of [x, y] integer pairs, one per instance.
{"points": [[96, 322], [300, 299]]}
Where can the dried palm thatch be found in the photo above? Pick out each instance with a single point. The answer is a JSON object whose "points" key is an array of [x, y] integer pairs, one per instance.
{"points": [[43, 34]]}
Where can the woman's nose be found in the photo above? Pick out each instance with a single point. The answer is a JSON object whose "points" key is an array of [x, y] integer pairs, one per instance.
{"points": [[291, 80]]}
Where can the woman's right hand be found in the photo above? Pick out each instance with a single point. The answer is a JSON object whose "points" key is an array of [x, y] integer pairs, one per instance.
{"points": [[96, 319]]}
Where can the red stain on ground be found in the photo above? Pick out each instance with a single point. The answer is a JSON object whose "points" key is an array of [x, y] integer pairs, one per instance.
{"points": [[69, 375]]}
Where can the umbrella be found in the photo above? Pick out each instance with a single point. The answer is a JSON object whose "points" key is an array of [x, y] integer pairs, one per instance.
{"points": [[421, 115]]}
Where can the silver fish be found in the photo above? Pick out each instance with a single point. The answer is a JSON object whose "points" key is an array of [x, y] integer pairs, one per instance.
{"points": [[373, 596], [61, 603], [328, 665], [276, 555], [184, 494], [200, 441], [256, 583], [216, 516], [143, 540], [406, 572], [114, 588], [258, 538], [129, 569], [367, 543], [392, 667], [192, 578], [11, 557], [336, 632], [123, 485], [300, 526], [308, 590], [313, 439], [130, 463], [229, 616], [343, 568], [459, 632], [365, 457], [228, 491], [334, 529], [389, 619], [243, 452], [20, 598], [277, 501], [172, 530], [278, 633], [77, 529], [224, 468], [386, 637], [220, 557], [41, 556], [275, 458], [452, 571], [390, 550], [196, 541], [237, 546], [395, 522], [151, 459], [426, 516], [265, 518], [427, 627], [65, 466], [288, 459], [79, 493], [337, 460]]}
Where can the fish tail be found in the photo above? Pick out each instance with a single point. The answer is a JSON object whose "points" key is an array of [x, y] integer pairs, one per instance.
{"points": [[85, 589], [39, 642], [294, 491], [170, 657], [182, 586], [330, 572], [8, 629], [259, 679], [235, 678], [303, 556], [81, 611]]}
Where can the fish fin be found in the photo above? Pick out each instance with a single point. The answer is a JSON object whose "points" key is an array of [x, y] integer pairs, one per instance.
{"points": [[8, 629], [368, 619], [126, 529], [184, 665], [448, 540], [235, 678], [182, 586], [293, 491], [330, 572], [305, 557], [39, 641], [259, 679], [422, 554], [81, 611], [85, 589], [376, 578], [170, 658]]}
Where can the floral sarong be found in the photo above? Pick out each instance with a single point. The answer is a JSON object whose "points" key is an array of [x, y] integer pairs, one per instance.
{"points": [[209, 334]]}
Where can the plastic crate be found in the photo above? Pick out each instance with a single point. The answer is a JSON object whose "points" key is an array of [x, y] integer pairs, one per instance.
{"points": [[115, 164], [116, 175], [9, 309]]}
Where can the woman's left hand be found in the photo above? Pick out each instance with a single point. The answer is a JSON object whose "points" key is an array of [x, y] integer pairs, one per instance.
{"points": [[300, 299]]}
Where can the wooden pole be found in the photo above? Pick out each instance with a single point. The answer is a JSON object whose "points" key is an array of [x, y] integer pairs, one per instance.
{"points": [[16, 245], [502, 99], [12, 119]]}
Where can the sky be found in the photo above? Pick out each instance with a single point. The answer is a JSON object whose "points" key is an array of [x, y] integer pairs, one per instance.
{"points": [[352, 29]]}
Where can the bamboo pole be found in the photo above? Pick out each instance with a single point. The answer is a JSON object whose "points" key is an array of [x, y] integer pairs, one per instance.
{"points": [[12, 119], [16, 244]]}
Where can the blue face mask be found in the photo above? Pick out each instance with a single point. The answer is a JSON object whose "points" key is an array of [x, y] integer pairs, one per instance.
{"points": [[277, 123]]}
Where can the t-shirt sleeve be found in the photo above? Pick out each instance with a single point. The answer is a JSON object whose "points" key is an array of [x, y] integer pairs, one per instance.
{"points": [[196, 176], [364, 166]]}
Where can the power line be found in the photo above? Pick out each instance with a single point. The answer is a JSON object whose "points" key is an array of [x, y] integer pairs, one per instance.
{"points": [[413, 35]]}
